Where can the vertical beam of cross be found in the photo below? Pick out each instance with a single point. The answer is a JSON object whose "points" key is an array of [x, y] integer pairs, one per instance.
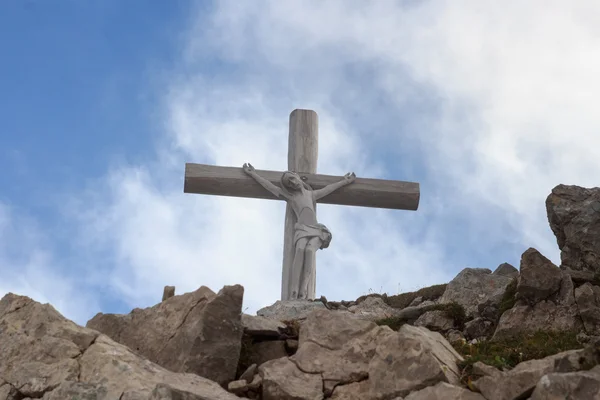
{"points": [[303, 151]]}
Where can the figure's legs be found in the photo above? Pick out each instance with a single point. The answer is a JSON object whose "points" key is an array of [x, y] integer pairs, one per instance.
{"points": [[309, 268], [297, 268]]}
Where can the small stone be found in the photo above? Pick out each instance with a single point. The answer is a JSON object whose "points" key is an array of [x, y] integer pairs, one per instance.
{"points": [[416, 301], [480, 368], [168, 292], [248, 375], [505, 269], [539, 277], [436, 320], [454, 336], [238, 387]]}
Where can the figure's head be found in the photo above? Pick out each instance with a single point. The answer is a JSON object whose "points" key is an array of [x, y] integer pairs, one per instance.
{"points": [[291, 181]]}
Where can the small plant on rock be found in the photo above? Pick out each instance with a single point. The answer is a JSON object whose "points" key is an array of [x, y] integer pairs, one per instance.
{"points": [[505, 354], [509, 299]]}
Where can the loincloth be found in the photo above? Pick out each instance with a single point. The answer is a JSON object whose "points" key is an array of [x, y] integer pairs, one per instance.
{"points": [[311, 231]]}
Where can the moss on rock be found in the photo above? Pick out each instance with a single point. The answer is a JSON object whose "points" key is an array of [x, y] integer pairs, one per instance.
{"points": [[404, 299], [507, 353]]}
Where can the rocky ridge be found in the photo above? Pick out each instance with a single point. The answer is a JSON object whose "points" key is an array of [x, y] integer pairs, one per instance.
{"points": [[526, 333]]}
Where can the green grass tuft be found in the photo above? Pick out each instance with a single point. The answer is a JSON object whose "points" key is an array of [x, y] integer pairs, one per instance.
{"points": [[509, 299], [404, 299], [507, 353]]}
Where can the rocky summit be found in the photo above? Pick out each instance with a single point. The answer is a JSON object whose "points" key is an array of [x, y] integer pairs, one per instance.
{"points": [[509, 333]]}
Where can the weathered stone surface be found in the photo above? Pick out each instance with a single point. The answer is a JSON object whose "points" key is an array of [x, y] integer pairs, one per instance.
{"points": [[290, 309], [543, 316], [164, 391], [587, 297], [41, 352], [410, 360], [238, 387], [579, 277], [8, 392], [38, 347], [282, 380], [337, 346], [121, 371], [198, 332], [267, 351], [262, 326], [473, 286], [248, 375], [444, 391], [576, 225], [345, 350], [372, 309], [482, 369], [454, 335], [520, 381], [478, 328], [416, 301], [506, 269], [76, 390], [413, 313], [353, 391], [566, 295], [577, 360], [582, 385], [539, 277], [436, 320]]}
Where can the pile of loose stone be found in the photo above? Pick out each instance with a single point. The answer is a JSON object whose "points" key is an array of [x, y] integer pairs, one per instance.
{"points": [[200, 345]]}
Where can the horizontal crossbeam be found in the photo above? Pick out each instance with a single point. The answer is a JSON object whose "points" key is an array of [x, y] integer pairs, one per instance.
{"points": [[363, 192]]}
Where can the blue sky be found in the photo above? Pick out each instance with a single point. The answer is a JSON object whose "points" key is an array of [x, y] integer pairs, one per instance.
{"points": [[103, 102]]}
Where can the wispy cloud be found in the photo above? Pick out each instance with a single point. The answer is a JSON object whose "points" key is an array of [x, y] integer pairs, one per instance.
{"points": [[488, 106]]}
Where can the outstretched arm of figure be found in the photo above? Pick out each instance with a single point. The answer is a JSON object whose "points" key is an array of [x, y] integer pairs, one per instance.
{"points": [[249, 169], [348, 179]]}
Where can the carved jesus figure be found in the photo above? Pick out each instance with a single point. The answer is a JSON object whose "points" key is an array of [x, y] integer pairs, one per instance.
{"points": [[309, 235]]}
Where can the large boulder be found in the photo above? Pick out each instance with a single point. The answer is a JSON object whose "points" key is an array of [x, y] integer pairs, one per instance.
{"points": [[506, 269], [546, 315], [473, 286], [286, 310], [44, 355], [370, 361], [574, 216], [372, 308], [198, 332], [581, 385], [283, 380], [539, 278], [262, 326], [436, 320]]}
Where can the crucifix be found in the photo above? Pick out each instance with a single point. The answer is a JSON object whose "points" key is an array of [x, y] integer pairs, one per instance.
{"points": [[301, 187]]}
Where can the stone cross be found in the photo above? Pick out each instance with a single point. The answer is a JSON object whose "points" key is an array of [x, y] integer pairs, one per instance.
{"points": [[302, 159]]}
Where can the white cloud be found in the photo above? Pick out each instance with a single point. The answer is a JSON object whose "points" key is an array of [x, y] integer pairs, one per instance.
{"points": [[517, 83], [511, 88], [28, 268], [514, 88]]}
